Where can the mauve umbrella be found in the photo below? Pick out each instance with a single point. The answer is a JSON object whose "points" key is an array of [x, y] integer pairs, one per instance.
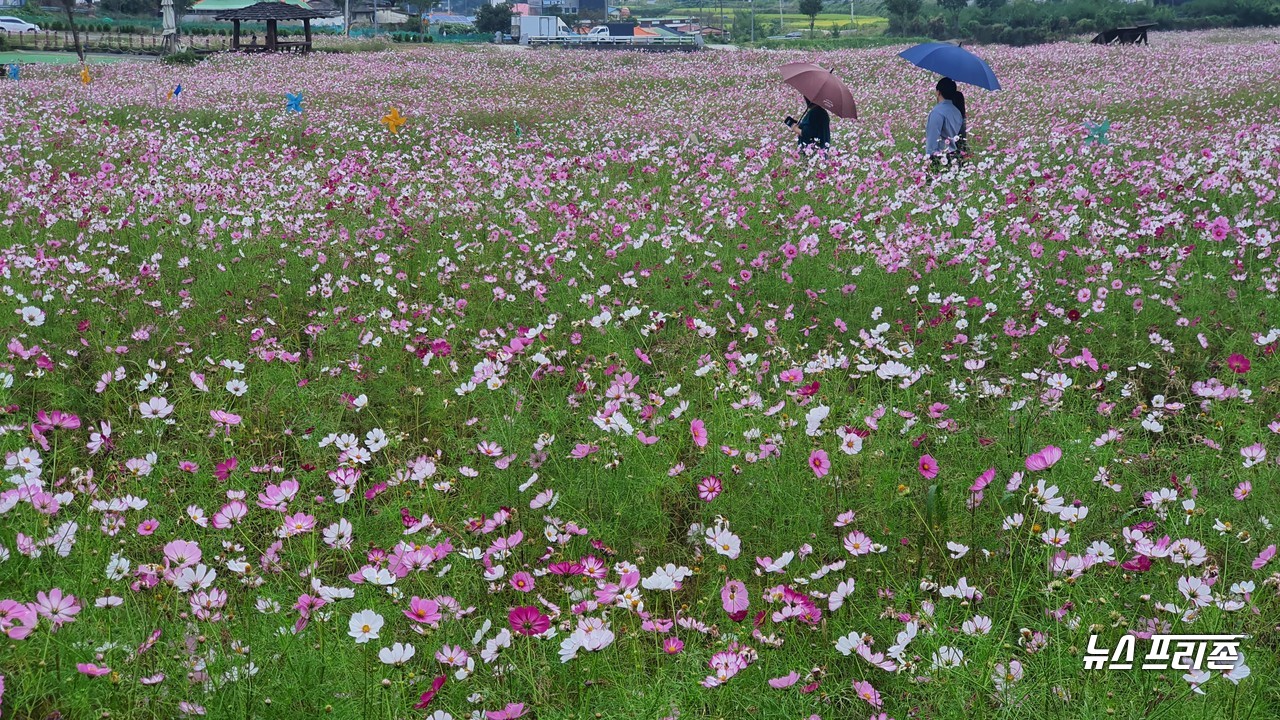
{"points": [[820, 86], [952, 61]]}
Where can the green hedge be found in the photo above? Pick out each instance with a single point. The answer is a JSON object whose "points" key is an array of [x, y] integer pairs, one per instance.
{"points": [[1030, 23]]}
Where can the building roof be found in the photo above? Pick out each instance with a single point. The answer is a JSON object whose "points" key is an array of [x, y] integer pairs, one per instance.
{"points": [[219, 5], [271, 10], [450, 19]]}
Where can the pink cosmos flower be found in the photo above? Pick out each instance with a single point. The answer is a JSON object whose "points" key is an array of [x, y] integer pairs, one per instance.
{"points": [[17, 620], [522, 581], [699, 431], [709, 488], [56, 607], [147, 527], [928, 467], [1264, 557], [528, 620], [867, 694], [1044, 459], [92, 670], [819, 463], [672, 645], [734, 598], [510, 712], [785, 681], [423, 611]]}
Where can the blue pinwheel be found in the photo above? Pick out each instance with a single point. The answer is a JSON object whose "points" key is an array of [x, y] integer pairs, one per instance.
{"points": [[293, 102], [177, 91], [15, 72], [1097, 133]]}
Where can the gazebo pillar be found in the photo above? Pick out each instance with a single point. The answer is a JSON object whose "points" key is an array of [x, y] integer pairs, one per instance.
{"points": [[306, 29], [271, 36], [235, 34]]}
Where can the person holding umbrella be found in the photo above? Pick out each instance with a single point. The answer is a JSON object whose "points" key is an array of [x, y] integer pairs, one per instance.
{"points": [[824, 94], [948, 119], [946, 123], [813, 128]]}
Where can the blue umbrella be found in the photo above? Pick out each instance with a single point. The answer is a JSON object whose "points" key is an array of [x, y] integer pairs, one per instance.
{"points": [[952, 61]]}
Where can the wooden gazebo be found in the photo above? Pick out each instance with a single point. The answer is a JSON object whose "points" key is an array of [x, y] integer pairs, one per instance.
{"points": [[271, 13]]}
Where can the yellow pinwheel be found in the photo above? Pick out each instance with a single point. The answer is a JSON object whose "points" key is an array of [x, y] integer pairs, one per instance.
{"points": [[393, 120], [84, 74]]}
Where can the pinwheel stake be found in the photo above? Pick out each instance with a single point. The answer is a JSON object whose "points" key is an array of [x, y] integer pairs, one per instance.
{"points": [[293, 103], [1097, 133], [393, 120], [84, 74], [15, 72]]}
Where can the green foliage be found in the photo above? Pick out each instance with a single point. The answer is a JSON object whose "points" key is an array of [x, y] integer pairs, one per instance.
{"points": [[494, 18], [811, 8], [186, 58], [1029, 23], [904, 16], [843, 43]]}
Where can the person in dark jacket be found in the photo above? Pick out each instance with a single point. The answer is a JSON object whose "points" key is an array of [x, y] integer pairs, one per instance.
{"points": [[814, 127]]}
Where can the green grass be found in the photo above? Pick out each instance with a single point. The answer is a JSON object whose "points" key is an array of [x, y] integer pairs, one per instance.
{"points": [[51, 58]]}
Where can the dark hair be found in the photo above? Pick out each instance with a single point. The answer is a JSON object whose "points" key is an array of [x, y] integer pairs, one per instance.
{"points": [[947, 88]]}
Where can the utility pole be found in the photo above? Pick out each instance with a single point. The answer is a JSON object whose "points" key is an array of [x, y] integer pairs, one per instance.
{"points": [[782, 24], [753, 19], [346, 18]]}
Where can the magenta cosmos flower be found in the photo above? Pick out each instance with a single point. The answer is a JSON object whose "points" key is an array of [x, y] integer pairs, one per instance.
{"points": [[928, 467], [1238, 363], [819, 463], [528, 620]]}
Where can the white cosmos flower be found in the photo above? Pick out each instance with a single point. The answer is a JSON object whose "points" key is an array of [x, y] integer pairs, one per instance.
{"points": [[192, 578], [398, 654], [32, 316], [155, 409], [364, 626]]}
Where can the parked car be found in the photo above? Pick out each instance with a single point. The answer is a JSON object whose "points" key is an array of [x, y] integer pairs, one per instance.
{"points": [[794, 35], [18, 25]]}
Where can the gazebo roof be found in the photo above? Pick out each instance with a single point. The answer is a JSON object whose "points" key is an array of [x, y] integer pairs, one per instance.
{"points": [[220, 5], [271, 10]]}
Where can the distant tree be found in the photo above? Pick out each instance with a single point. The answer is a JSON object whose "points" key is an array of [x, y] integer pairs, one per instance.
{"points": [[954, 6], [811, 8], [990, 4], [494, 18], [903, 14]]}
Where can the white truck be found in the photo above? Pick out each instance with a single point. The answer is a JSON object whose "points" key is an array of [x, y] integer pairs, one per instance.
{"points": [[525, 28]]}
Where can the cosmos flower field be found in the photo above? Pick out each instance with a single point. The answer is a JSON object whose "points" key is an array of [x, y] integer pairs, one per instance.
{"points": [[585, 395]]}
